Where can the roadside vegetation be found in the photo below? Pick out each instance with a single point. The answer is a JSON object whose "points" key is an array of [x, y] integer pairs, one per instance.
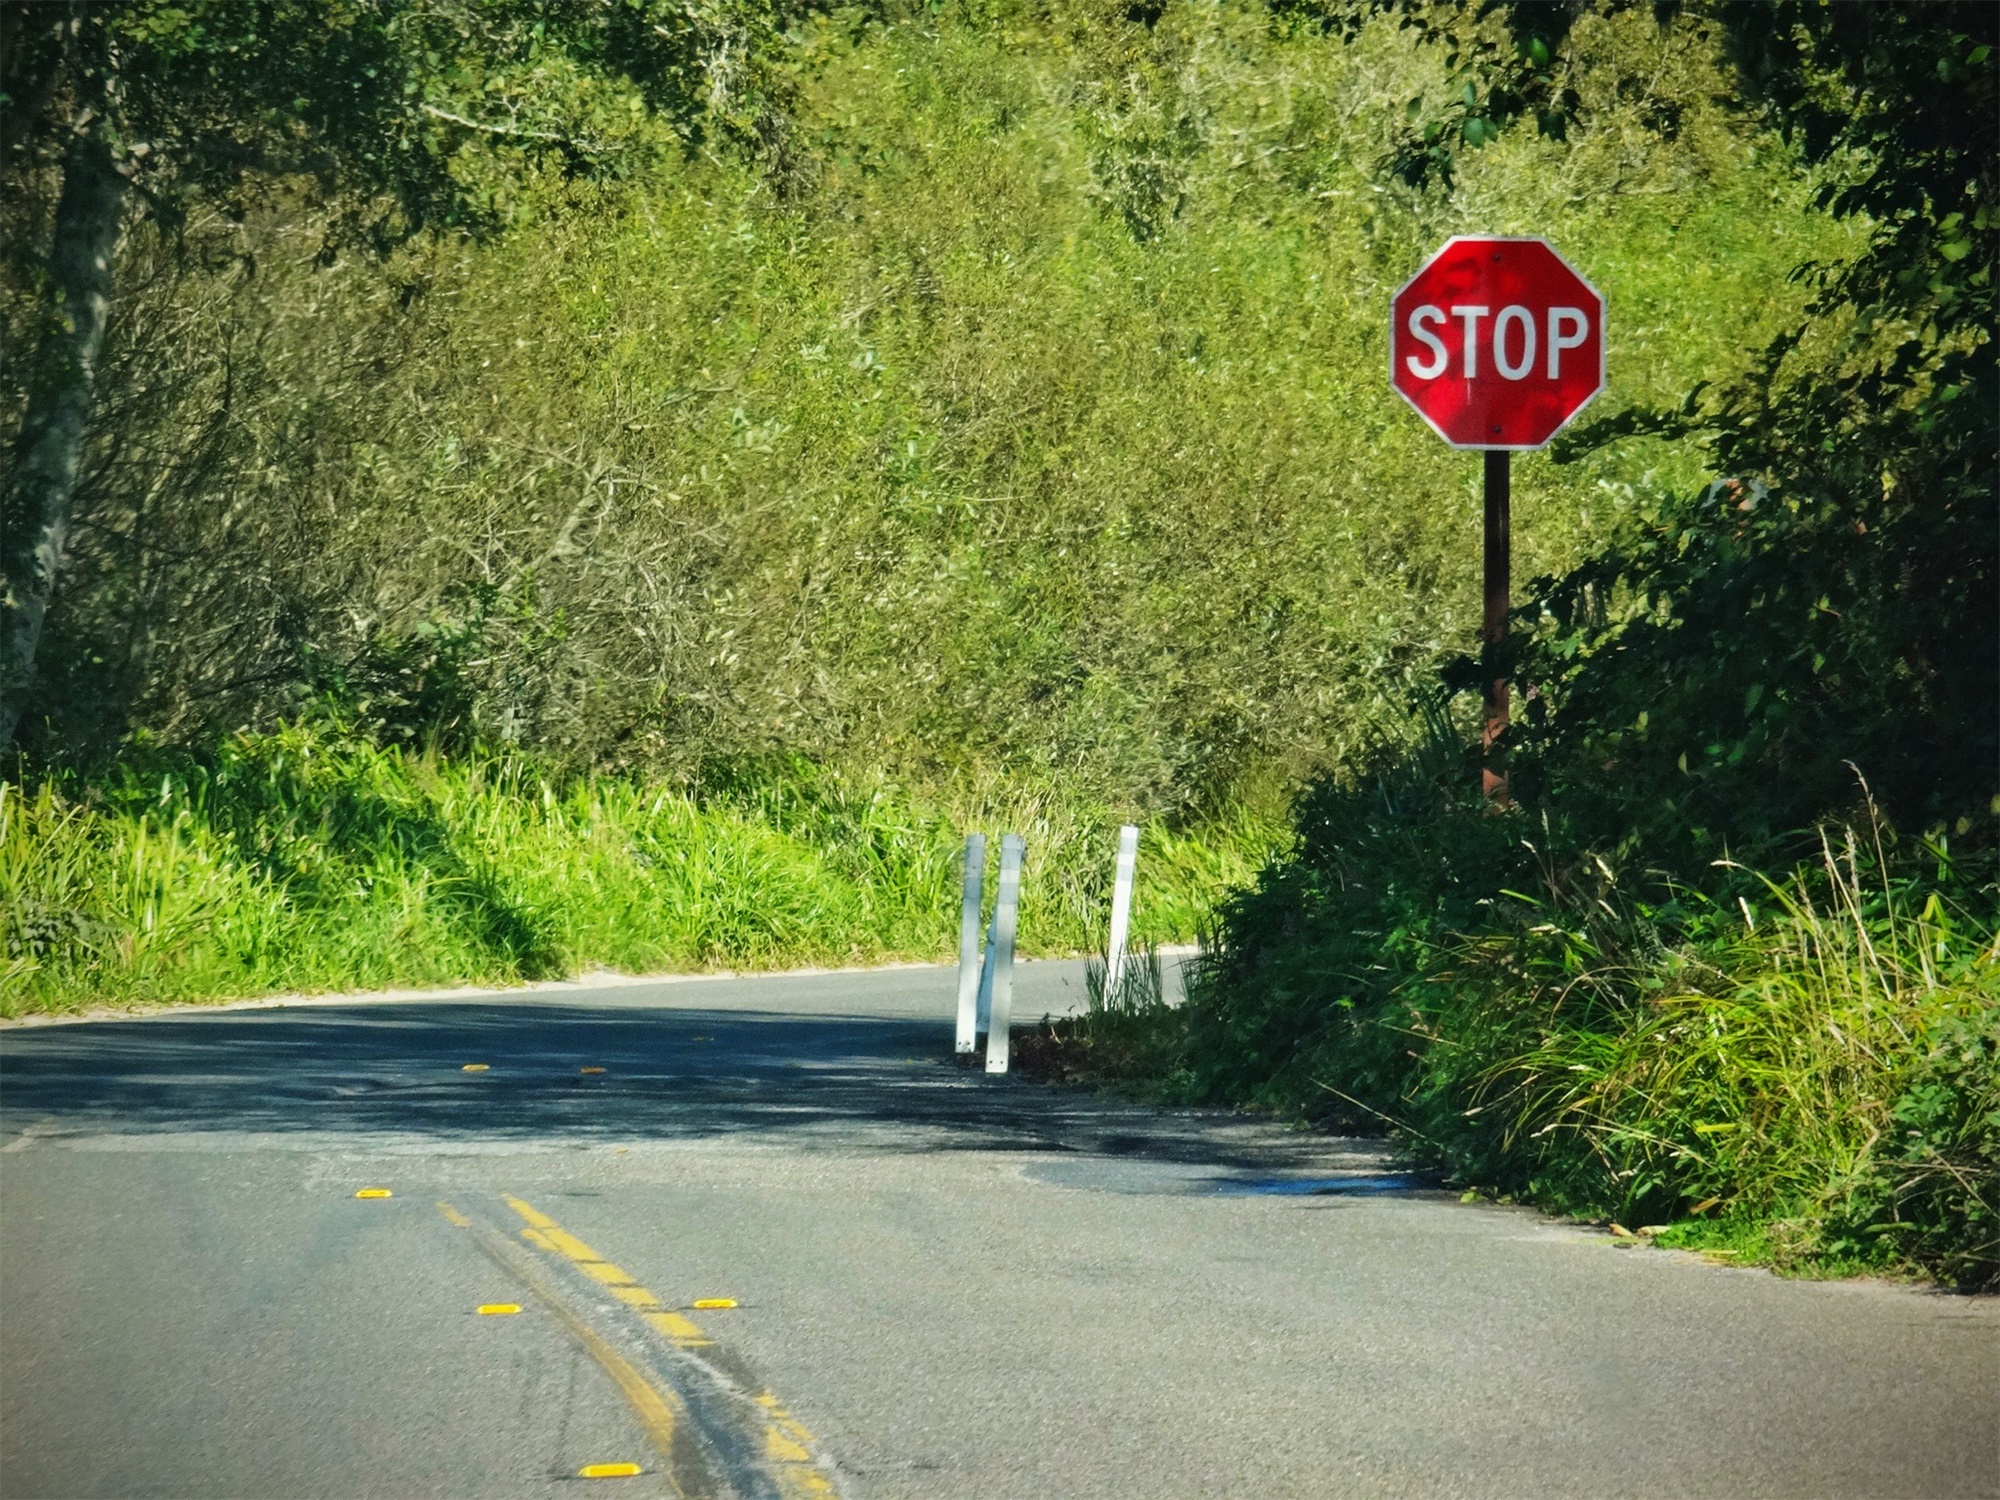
{"points": [[1797, 1071], [642, 503], [998, 430], [1727, 968], [309, 859]]}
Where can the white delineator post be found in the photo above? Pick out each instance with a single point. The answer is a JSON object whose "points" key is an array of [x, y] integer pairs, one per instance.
{"points": [[1121, 910], [983, 1008], [968, 941], [1000, 952]]}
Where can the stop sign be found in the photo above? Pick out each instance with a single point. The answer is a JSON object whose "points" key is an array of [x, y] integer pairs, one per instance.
{"points": [[1497, 342]]}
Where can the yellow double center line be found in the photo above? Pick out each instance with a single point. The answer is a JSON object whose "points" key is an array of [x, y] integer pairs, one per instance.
{"points": [[546, 1234], [787, 1445]]}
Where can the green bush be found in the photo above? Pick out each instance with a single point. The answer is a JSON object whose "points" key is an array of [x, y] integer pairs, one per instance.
{"points": [[1027, 427], [1807, 1062], [1930, 1190]]}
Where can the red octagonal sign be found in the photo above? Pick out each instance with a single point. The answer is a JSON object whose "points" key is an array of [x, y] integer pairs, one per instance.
{"points": [[1497, 342]]}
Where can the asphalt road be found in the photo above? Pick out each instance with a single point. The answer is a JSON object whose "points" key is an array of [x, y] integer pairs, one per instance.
{"points": [[944, 1284]]}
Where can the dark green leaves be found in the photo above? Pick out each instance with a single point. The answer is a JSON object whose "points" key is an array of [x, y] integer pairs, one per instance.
{"points": [[414, 112]]}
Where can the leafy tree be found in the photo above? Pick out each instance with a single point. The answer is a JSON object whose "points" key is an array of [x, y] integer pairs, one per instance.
{"points": [[407, 116], [1720, 672], [1830, 605]]}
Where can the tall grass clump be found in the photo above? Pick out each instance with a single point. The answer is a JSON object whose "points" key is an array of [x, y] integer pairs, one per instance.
{"points": [[1785, 1068], [309, 859]]}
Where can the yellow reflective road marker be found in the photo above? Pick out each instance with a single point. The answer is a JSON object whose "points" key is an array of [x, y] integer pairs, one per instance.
{"points": [[498, 1309], [659, 1408], [608, 1471], [708, 1302], [475, 1068], [374, 1193]]}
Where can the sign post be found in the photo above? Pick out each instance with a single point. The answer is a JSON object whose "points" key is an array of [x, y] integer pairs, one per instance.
{"points": [[1493, 628], [1121, 909], [999, 988], [1497, 343]]}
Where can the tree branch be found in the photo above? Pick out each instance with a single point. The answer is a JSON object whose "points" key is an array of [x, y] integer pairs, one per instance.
{"points": [[515, 132]]}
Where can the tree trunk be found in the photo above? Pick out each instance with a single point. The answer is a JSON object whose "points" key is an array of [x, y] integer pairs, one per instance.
{"points": [[35, 510]]}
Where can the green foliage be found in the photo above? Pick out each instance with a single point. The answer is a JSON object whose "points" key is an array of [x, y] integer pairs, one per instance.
{"points": [[1597, 1063], [923, 460], [393, 119], [1712, 675], [1125, 1033], [1380, 873], [1809, 1058], [405, 116], [1711, 680], [310, 860], [1930, 1191]]}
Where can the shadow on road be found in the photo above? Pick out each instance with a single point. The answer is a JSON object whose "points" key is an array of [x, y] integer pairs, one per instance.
{"points": [[667, 1073]]}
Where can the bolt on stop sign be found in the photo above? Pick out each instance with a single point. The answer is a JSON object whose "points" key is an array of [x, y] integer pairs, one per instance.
{"points": [[1497, 342]]}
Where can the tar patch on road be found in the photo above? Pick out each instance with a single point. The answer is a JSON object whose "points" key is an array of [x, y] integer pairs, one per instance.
{"points": [[716, 1426], [1188, 1180]]}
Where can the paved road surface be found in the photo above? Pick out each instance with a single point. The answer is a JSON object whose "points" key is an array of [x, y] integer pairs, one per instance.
{"points": [[945, 1285]]}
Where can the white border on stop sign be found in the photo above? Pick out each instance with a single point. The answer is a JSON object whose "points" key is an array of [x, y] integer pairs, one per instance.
{"points": [[1603, 339]]}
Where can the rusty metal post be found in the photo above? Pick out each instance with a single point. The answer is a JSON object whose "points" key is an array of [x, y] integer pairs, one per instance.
{"points": [[1499, 567]]}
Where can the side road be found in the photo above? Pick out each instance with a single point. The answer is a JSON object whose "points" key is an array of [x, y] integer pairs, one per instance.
{"points": [[1055, 986], [765, 1239]]}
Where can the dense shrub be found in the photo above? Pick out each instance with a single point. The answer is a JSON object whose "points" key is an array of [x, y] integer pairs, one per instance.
{"points": [[1585, 998], [1805, 1065], [1026, 421], [1930, 1191]]}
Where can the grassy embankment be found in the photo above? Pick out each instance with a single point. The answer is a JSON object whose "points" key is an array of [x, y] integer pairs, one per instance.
{"points": [[301, 861]]}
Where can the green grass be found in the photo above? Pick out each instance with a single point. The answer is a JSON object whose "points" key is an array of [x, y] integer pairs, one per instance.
{"points": [[1770, 1066], [303, 861]]}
